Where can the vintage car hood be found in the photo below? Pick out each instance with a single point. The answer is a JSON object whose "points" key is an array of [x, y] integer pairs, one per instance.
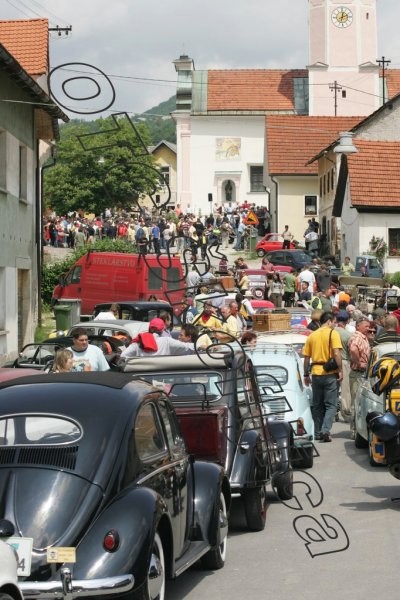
{"points": [[50, 506]]}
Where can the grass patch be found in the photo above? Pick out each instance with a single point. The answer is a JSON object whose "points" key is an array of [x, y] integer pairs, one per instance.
{"points": [[48, 325]]}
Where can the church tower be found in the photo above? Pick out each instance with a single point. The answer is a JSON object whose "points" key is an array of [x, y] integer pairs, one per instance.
{"points": [[343, 72]]}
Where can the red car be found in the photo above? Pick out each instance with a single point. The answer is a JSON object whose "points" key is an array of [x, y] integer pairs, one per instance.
{"points": [[271, 241]]}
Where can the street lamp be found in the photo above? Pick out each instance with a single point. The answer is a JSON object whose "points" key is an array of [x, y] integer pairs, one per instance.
{"points": [[345, 145]]}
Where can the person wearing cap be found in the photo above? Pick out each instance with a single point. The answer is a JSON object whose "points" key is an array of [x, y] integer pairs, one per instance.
{"points": [[342, 318], [153, 344], [359, 350], [207, 317]]}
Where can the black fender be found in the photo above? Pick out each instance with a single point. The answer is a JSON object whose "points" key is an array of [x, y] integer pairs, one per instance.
{"points": [[135, 515], [250, 457], [209, 481], [282, 436]]}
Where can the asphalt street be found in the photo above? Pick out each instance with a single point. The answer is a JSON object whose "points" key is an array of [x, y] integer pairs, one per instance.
{"points": [[339, 538]]}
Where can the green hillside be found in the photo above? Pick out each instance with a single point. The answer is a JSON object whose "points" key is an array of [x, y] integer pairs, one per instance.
{"points": [[161, 127]]}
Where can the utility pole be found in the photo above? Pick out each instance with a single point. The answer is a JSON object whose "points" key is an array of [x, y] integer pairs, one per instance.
{"points": [[336, 88], [383, 62], [61, 30]]}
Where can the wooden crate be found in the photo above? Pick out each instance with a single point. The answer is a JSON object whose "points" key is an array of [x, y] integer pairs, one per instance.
{"points": [[228, 283], [271, 322]]}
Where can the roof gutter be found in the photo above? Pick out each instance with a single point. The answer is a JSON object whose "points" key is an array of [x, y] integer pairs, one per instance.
{"points": [[43, 101]]}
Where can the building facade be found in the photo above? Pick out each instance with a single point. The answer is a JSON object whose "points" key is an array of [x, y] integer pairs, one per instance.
{"points": [[227, 140], [28, 123]]}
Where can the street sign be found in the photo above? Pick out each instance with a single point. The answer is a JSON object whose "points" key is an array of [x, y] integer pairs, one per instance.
{"points": [[251, 218]]}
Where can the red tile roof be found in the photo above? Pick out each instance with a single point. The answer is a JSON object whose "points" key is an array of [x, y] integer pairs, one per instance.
{"points": [[392, 81], [28, 42], [374, 174], [292, 140], [249, 89]]}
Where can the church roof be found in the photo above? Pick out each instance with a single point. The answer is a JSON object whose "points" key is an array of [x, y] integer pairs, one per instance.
{"points": [[252, 89], [374, 175], [28, 42], [264, 89], [291, 140]]}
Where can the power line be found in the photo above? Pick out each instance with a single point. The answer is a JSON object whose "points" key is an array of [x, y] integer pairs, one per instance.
{"points": [[19, 9], [29, 8], [49, 12]]}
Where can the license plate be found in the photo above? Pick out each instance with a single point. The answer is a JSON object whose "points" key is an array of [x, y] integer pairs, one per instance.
{"points": [[61, 554], [23, 551]]}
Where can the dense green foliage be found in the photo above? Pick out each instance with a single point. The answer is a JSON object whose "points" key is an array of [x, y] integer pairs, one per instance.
{"points": [[116, 174], [394, 279], [161, 128], [51, 273]]}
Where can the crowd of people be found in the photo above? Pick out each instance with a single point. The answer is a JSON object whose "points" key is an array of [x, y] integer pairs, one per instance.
{"points": [[152, 232], [346, 334]]}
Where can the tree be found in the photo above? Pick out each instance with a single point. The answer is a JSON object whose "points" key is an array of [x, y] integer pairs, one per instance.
{"points": [[80, 180]]}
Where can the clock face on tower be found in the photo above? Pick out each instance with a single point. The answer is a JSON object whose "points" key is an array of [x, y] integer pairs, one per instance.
{"points": [[342, 17]]}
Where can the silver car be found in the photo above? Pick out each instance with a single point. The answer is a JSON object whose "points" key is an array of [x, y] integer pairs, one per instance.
{"points": [[366, 400], [279, 376]]}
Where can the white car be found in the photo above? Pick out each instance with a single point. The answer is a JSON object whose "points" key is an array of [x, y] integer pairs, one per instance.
{"points": [[279, 372], [366, 400], [8, 574]]}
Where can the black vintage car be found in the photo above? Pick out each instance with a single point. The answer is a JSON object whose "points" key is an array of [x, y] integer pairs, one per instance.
{"points": [[40, 355], [218, 405], [95, 477], [136, 310]]}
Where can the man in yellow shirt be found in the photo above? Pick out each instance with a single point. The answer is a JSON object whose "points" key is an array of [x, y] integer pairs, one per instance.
{"points": [[206, 318], [320, 346]]}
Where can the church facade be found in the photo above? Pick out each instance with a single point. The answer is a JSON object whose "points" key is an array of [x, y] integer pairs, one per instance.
{"points": [[249, 134]]}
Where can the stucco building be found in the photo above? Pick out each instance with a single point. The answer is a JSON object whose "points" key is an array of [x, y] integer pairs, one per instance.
{"points": [[250, 134], [28, 123]]}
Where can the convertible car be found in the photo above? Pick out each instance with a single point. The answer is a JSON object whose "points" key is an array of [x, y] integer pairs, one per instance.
{"points": [[98, 491], [217, 401]]}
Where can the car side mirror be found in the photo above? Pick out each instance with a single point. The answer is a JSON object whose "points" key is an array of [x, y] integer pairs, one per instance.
{"points": [[61, 280]]}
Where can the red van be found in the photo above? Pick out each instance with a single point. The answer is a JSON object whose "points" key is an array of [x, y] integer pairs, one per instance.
{"points": [[113, 276]]}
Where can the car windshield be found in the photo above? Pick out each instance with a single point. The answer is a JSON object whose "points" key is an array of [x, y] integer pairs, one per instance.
{"points": [[303, 257], [179, 386], [37, 354], [272, 375], [24, 430]]}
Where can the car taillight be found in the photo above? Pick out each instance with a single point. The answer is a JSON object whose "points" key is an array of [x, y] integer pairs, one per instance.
{"points": [[111, 541], [300, 427]]}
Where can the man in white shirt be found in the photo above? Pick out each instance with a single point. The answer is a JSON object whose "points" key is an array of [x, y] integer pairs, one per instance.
{"points": [[307, 275], [86, 357], [108, 315], [156, 345]]}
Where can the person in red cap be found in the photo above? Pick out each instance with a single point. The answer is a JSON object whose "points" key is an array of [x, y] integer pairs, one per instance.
{"points": [[153, 344]]}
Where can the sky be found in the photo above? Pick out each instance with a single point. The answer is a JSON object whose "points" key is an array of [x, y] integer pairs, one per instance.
{"points": [[135, 42]]}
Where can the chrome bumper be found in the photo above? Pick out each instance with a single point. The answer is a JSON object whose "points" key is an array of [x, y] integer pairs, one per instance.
{"points": [[68, 589]]}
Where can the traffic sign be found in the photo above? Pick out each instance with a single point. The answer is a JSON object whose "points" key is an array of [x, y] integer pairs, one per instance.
{"points": [[251, 218]]}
